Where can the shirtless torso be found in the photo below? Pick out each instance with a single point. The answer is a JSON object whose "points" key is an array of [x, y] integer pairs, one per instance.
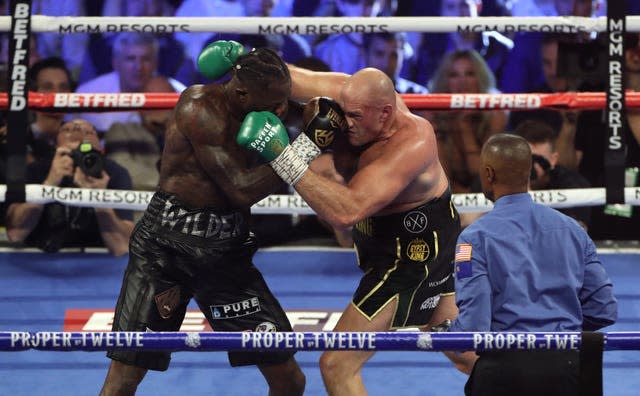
{"points": [[429, 181], [201, 163]]}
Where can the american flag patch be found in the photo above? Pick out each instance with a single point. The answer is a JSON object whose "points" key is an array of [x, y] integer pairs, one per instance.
{"points": [[463, 252]]}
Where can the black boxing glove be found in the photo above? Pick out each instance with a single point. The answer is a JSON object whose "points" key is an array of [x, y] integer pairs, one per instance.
{"points": [[322, 119]]}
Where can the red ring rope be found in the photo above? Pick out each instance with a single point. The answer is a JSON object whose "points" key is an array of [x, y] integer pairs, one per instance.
{"points": [[96, 102]]}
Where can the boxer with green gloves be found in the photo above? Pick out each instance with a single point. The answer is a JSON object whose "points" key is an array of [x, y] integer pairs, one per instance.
{"points": [[218, 58], [264, 133]]}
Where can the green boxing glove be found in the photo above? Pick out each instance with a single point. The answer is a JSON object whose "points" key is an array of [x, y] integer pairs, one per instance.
{"points": [[264, 133], [218, 58]]}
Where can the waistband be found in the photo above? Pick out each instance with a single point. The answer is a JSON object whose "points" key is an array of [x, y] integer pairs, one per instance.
{"points": [[167, 213], [427, 216]]}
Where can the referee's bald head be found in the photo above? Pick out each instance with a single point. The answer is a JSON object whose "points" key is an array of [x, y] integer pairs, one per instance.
{"points": [[506, 165]]}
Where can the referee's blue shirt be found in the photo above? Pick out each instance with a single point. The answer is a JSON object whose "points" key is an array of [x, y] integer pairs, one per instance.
{"points": [[527, 267]]}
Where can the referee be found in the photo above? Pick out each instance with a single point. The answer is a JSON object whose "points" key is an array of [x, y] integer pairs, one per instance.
{"points": [[526, 267]]}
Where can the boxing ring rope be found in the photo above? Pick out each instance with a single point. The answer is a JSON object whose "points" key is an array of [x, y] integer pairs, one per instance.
{"points": [[308, 341], [318, 25], [97, 102], [294, 204]]}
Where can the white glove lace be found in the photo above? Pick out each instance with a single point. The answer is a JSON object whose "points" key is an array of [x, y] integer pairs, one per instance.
{"points": [[305, 148], [289, 166]]}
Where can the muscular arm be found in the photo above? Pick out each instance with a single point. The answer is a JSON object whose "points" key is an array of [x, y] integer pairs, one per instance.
{"points": [[307, 84], [372, 188], [217, 153]]}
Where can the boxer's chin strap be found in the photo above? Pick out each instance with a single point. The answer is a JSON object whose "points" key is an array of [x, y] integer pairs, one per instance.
{"points": [[590, 378]]}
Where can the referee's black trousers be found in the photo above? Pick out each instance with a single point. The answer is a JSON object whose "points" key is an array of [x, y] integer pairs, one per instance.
{"points": [[524, 373]]}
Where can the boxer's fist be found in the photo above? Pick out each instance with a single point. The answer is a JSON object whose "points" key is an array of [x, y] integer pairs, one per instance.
{"points": [[322, 119], [218, 58], [264, 133]]}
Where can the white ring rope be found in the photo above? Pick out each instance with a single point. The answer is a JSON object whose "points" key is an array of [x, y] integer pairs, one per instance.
{"points": [[294, 204], [318, 25]]}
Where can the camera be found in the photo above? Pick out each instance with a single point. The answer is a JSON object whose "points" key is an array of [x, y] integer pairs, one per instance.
{"points": [[88, 159]]}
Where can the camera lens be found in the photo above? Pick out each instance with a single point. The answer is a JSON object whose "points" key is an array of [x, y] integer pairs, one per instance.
{"points": [[90, 161]]}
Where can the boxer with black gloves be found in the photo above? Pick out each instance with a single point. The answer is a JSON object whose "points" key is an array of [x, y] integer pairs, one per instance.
{"points": [[396, 198], [322, 119]]}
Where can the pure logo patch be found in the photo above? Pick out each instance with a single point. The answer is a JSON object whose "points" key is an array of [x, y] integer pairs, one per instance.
{"points": [[236, 309]]}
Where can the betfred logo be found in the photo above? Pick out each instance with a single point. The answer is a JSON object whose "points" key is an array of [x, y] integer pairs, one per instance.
{"points": [[194, 320]]}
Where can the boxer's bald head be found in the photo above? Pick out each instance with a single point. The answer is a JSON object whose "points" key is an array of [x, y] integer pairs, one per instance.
{"points": [[368, 99]]}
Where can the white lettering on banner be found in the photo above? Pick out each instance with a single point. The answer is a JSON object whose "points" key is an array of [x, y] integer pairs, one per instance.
{"points": [[20, 339], [48, 339], [561, 341], [277, 340], [490, 101], [615, 98], [327, 340], [344, 340], [19, 71], [102, 100], [501, 340], [109, 339], [498, 341], [63, 340]]}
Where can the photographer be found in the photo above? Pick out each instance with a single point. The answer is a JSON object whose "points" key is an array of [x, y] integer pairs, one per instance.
{"points": [[77, 162], [553, 81], [546, 173]]}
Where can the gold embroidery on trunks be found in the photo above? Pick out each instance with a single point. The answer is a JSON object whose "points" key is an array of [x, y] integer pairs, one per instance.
{"points": [[365, 226], [418, 250]]}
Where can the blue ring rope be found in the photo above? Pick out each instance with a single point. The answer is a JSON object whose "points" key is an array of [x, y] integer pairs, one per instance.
{"points": [[307, 341]]}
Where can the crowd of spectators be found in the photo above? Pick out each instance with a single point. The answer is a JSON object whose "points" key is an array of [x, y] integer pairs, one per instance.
{"points": [[570, 143]]}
